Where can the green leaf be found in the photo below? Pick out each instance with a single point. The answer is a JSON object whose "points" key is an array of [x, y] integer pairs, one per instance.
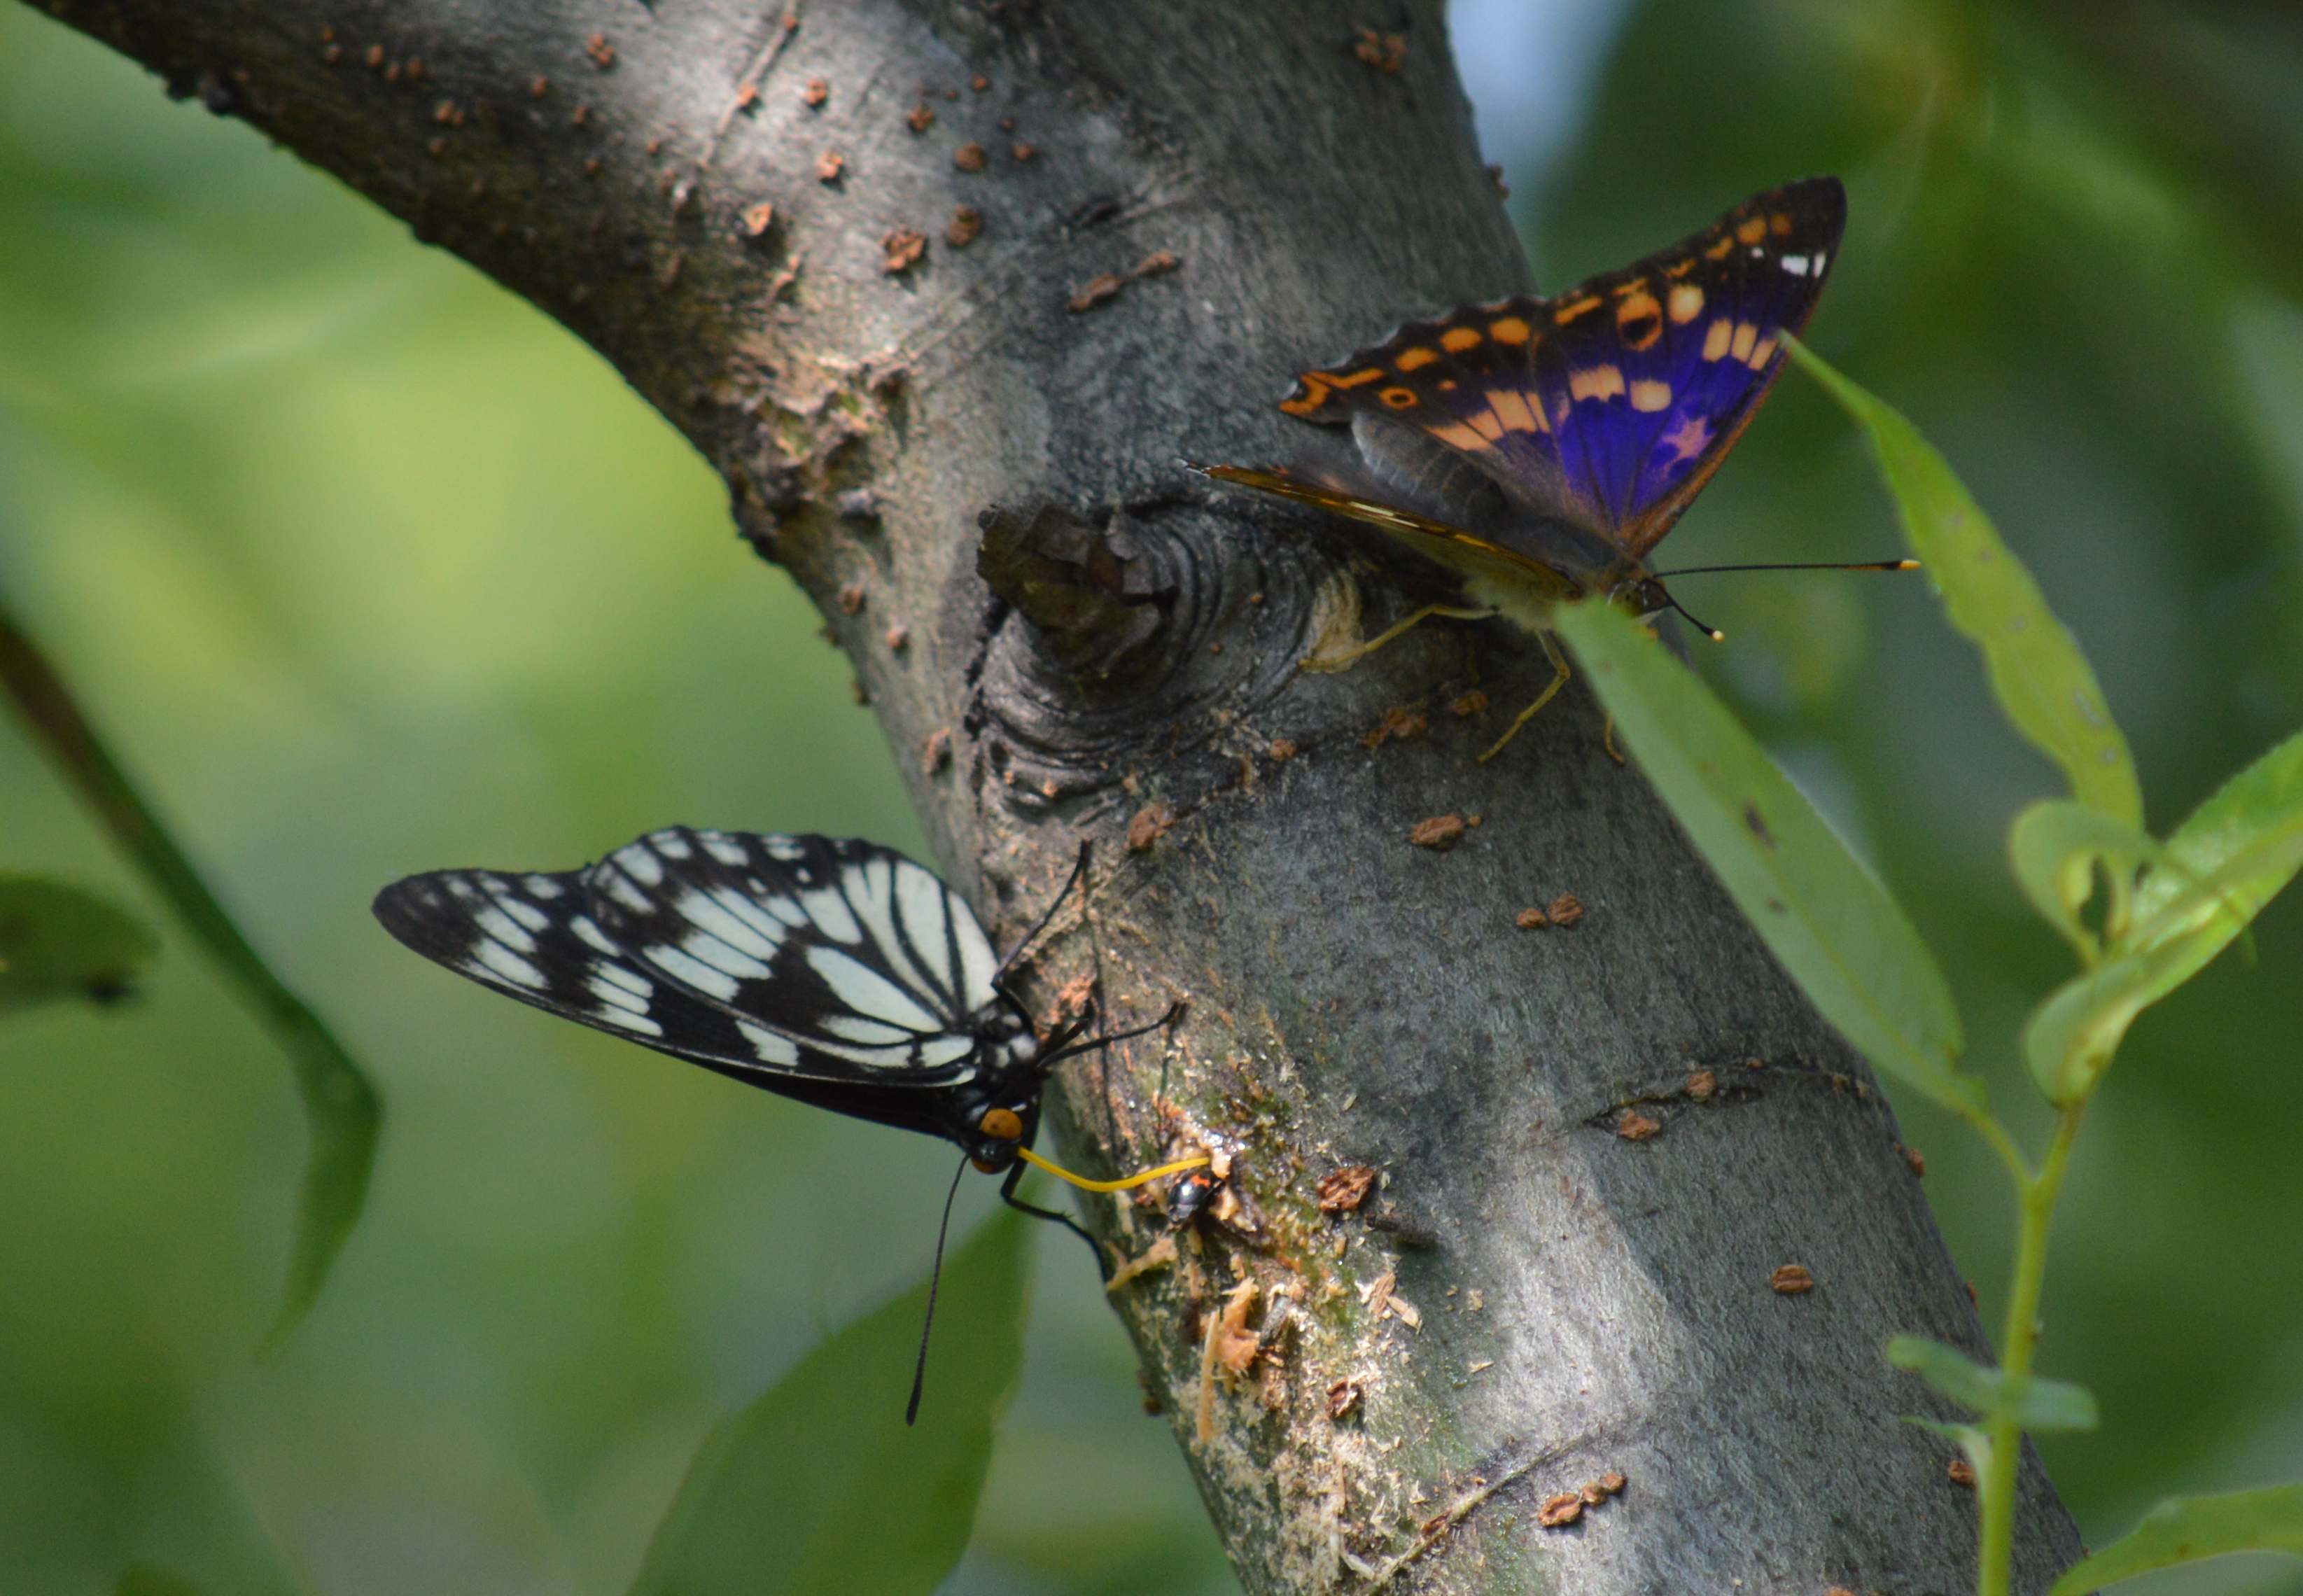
{"points": [[2032, 1402], [58, 942], [2190, 1529], [1826, 920], [2040, 676], [2054, 846], [2221, 867], [819, 1485], [342, 1112]]}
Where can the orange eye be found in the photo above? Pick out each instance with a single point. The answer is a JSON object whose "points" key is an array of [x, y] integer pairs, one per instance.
{"points": [[1002, 1124]]}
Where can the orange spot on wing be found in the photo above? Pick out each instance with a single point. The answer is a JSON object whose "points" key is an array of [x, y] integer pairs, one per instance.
{"points": [[1398, 399], [1568, 312], [1781, 224], [1651, 396], [1715, 338], [1690, 438], [1680, 268], [1746, 335], [1639, 320], [1416, 358], [1509, 329], [1719, 252], [1751, 230], [1686, 303], [1761, 353], [1595, 382], [1621, 290], [1487, 424], [1512, 409], [1356, 379], [1457, 340], [1461, 436]]}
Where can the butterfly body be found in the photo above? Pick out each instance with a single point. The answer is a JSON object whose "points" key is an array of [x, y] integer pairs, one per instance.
{"points": [[1541, 447], [828, 970]]}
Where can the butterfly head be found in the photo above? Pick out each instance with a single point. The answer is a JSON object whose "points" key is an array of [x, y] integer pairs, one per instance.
{"points": [[1001, 1131]]}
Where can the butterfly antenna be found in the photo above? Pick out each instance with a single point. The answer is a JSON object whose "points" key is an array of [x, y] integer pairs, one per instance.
{"points": [[1016, 957], [1705, 570], [935, 1279], [1067, 1048], [1712, 632]]}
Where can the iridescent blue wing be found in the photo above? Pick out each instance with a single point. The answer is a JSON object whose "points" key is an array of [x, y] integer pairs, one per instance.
{"points": [[1610, 405]]}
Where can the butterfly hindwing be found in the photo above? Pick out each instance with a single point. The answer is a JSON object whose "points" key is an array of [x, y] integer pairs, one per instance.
{"points": [[800, 958], [1609, 405]]}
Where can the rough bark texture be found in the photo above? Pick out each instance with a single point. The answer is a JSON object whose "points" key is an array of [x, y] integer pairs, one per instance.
{"points": [[1564, 1300]]}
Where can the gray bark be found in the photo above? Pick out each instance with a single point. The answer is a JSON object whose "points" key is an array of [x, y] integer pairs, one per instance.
{"points": [[1587, 1302]]}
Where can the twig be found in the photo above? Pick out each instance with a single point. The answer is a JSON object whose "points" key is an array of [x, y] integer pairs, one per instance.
{"points": [[1435, 1530]]}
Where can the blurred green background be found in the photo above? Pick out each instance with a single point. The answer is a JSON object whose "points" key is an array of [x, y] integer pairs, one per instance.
{"points": [[367, 569]]}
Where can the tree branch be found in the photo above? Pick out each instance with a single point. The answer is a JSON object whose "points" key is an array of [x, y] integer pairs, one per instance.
{"points": [[1531, 1298]]}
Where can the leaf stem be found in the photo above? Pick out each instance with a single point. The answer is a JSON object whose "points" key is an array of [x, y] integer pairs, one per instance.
{"points": [[2019, 1339]]}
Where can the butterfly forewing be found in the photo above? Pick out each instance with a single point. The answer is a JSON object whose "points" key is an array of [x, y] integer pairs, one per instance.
{"points": [[793, 957], [1609, 405]]}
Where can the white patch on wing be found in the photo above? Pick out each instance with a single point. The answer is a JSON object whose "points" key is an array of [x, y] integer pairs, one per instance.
{"points": [[589, 930], [523, 911], [784, 849], [924, 904], [672, 845], [773, 1047], [712, 912], [868, 991], [870, 890], [854, 1028], [505, 965], [708, 948], [948, 1049], [829, 910], [1796, 265], [724, 848], [631, 981], [626, 891], [499, 926], [977, 963], [640, 1023], [616, 995], [543, 887], [638, 860], [691, 973]]}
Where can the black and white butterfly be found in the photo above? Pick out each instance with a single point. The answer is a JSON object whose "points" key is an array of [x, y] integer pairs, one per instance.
{"points": [[827, 969]]}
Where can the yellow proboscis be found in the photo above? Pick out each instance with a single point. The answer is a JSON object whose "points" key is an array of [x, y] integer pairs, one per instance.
{"points": [[1124, 1183]]}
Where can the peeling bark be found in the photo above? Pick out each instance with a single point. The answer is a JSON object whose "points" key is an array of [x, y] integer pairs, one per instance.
{"points": [[943, 289]]}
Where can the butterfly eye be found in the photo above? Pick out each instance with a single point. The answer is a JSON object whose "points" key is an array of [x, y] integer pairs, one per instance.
{"points": [[1001, 1125]]}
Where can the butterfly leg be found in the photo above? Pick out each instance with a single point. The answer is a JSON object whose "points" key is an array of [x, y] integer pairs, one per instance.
{"points": [[1008, 1195], [1560, 673], [1322, 661]]}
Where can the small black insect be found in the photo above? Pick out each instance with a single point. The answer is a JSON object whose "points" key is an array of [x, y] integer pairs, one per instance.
{"points": [[826, 969]]}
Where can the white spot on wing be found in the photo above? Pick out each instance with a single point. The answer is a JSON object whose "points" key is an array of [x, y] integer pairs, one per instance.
{"points": [[543, 887], [854, 1028], [724, 848], [707, 948], [773, 1047], [672, 845], [615, 995], [829, 910], [923, 899], [640, 1023], [1796, 265], [523, 911], [784, 849], [709, 913], [631, 981], [639, 862], [691, 973], [626, 891], [499, 926], [495, 959], [869, 993], [597, 939], [948, 1049], [870, 890]]}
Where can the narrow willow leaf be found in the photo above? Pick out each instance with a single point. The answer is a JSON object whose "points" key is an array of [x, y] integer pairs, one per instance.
{"points": [[341, 1111], [2191, 1529], [2042, 679], [2222, 865], [2054, 846], [58, 942], [2032, 1402], [1826, 920], [819, 1486]]}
